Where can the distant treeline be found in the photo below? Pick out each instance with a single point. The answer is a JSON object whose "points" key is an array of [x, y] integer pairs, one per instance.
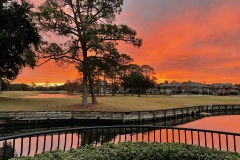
{"points": [[68, 86]]}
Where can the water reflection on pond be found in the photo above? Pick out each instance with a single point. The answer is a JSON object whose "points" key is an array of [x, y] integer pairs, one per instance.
{"points": [[97, 136], [67, 140], [59, 95], [226, 123], [22, 129]]}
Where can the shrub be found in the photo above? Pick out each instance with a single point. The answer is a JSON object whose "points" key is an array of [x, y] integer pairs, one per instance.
{"points": [[137, 151]]}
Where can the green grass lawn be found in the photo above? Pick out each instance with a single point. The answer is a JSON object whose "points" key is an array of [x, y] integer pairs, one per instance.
{"points": [[17, 101]]}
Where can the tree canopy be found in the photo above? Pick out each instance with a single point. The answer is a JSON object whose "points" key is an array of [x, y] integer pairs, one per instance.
{"points": [[18, 38], [90, 29], [138, 78]]}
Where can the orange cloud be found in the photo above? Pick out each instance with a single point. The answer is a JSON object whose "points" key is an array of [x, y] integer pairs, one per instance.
{"points": [[194, 40], [196, 44], [49, 72]]}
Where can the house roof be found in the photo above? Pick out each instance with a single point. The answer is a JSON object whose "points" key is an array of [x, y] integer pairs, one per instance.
{"points": [[200, 85], [172, 84], [217, 85], [226, 85], [194, 84]]}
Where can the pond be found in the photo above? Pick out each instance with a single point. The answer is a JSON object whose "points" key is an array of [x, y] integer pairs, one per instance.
{"points": [[59, 95], [66, 140], [8, 130], [226, 123]]}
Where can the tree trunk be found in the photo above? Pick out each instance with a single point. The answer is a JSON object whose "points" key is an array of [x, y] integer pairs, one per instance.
{"points": [[94, 99], [104, 86], [85, 78], [0, 85], [124, 91], [113, 87], [139, 92], [91, 87], [85, 91], [99, 85]]}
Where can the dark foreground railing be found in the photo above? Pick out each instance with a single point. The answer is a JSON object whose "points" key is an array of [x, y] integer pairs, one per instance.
{"points": [[64, 139]]}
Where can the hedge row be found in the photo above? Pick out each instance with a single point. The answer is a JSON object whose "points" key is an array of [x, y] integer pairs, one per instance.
{"points": [[137, 151]]}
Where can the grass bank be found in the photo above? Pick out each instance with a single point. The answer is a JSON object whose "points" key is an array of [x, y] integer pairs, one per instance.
{"points": [[17, 101]]}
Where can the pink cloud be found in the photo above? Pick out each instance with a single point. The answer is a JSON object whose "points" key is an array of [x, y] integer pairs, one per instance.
{"points": [[194, 40]]}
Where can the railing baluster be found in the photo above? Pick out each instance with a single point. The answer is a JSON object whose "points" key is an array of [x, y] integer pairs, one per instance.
{"points": [[234, 142], [90, 136], [51, 142], [212, 140], [131, 134], [21, 147], [173, 135], [205, 135], [167, 134], [108, 135], [71, 140], [125, 133], [58, 140], [36, 145], [13, 147], [44, 142], [192, 136], [220, 144], [185, 135], [120, 134], [227, 141], [160, 134], [97, 136], [114, 134], [179, 138], [148, 135], [29, 145], [198, 138], [154, 134], [65, 140], [78, 135], [137, 134]]}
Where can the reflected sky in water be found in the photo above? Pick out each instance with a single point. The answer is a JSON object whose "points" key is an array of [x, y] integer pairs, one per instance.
{"points": [[52, 96], [227, 123]]}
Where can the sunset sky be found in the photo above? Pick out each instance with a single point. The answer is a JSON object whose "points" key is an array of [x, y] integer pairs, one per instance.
{"points": [[183, 40]]}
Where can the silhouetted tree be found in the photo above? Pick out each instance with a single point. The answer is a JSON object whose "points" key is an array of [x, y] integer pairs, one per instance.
{"points": [[115, 67], [89, 26], [72, 87], [136, 78], [20, 87], [34, 86], [5, 84], [147, 70], [18, 38]]}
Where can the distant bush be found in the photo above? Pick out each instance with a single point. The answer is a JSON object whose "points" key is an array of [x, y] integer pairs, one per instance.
{"points": [[137, 151]]}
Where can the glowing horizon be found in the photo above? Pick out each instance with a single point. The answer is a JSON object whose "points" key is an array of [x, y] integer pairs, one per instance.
{"points": [[197, 40]]}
